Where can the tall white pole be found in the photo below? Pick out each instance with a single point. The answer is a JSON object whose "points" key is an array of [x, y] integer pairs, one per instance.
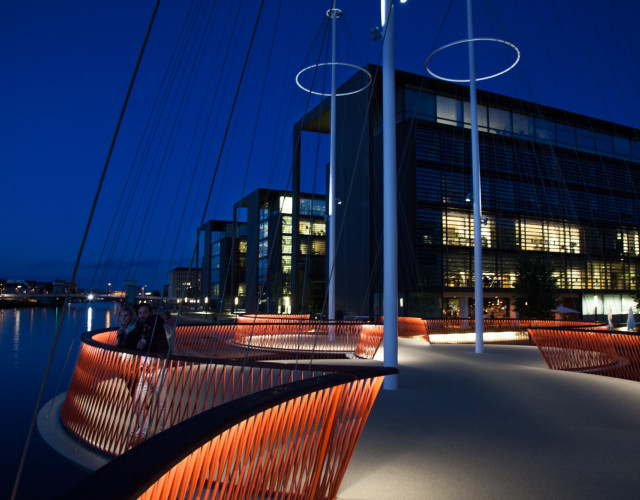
{"points": [[390, 307], [334, 13], [477, 202]]}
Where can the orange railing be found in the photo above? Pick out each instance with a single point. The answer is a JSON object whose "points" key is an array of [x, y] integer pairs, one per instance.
{"points": [[499, 331], [293, 442], [118, 397], [602, 352], [409, 326], [272, 318], [308, 336]]}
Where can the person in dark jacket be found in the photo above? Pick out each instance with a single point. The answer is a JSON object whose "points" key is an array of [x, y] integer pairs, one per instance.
{"points": [[149, 334], [127, 318], [147, 387]]}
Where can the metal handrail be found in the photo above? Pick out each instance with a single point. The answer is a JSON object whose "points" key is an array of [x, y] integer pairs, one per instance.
{"points": [[132, 473]]}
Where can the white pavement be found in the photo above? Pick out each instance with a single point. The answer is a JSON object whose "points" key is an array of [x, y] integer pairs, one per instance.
{"points": [[498, 425]]}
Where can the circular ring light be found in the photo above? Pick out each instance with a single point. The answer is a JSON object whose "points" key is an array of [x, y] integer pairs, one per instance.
{"points": [[323, 94], [472, 40]]}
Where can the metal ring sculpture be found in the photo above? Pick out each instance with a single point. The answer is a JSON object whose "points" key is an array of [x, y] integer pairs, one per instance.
{"points": [[472, 40], [324, 94]]}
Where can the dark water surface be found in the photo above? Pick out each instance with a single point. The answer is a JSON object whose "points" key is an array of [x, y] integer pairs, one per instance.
{"points": [[26, 338]]}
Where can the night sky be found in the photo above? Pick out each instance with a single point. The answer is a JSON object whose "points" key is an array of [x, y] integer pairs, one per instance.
{"points": [[66, 67]]}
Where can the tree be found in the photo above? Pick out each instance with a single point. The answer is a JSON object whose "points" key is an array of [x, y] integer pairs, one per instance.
{"points": [[535, 288]]}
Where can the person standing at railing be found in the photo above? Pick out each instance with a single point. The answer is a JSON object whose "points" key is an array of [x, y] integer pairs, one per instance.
{"points": [[127, 318], [148, 398], [170, 329], [149, 334]]}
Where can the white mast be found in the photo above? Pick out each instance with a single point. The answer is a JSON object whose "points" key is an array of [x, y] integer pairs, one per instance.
{"points": [[333, 13], [390, 306], [477, 202]]}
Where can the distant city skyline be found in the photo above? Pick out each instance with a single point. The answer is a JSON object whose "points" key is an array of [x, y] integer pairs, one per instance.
{"points": [[67, 68]]}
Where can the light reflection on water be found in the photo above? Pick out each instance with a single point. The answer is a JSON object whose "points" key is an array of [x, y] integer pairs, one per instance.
{"points": [[26, 337], [89, 318]]}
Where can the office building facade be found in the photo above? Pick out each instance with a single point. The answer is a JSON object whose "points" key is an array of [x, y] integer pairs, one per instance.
{"points": [[266, 264], [555, 185]]}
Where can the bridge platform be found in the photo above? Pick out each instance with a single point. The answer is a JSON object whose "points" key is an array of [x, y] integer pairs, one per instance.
{"points": [[498, 425]]}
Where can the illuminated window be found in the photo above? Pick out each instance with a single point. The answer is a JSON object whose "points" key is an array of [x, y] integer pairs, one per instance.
{"points": [[287, 224], [286, 244], [286, 263], [242, 246], [598, 275], [575, 279], [548, 236], [630, 241], [318, 247], [286, 205], [449, 110], [457, 228]]}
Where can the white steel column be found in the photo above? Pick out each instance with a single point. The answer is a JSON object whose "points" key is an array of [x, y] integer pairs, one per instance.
{"points": [[331, 312], [390, 307], [477, 202]]}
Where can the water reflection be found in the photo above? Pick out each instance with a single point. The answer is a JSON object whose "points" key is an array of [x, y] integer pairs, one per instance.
{"points": [[89, 318], [16, 333], [26, 337]]}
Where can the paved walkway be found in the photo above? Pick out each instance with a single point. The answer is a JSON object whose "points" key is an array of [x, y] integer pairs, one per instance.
{"points": [[498, 425]]}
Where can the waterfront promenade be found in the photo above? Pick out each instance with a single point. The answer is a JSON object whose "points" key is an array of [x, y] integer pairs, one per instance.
{"points": [[498, 425]]}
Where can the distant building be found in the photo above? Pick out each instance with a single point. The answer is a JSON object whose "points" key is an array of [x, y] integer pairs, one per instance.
{"points": [[184, 283], [554, 184], [265, 261], [216, 243]]}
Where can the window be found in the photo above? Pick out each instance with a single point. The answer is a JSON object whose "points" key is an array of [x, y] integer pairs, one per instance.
{"points": [[287, 224], [586, 140], [263, 229], [457, 228], [499, 121], [263, 248], [286, 263], [449, 110], [621, 147], [548, 236], [286, 244], [286, 205], [545, 130], [483, 124], [522, 125], [420, 104], [312, 207], [604, 143], [566, 135]]}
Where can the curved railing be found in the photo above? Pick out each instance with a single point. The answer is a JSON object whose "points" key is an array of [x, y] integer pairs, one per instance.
{"points": [[313, 336], [118, 398], [499, 331], [613, 354], [294, 441], [409, 326], [272, 318]]}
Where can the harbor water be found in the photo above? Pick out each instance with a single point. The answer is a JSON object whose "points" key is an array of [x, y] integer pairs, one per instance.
{"points": [[26, 339]]}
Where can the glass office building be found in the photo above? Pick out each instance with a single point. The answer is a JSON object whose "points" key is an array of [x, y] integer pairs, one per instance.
{"points": [[554, 184]]}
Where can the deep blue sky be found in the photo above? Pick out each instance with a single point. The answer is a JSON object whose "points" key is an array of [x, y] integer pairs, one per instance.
{"points": [[66, 66]]}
